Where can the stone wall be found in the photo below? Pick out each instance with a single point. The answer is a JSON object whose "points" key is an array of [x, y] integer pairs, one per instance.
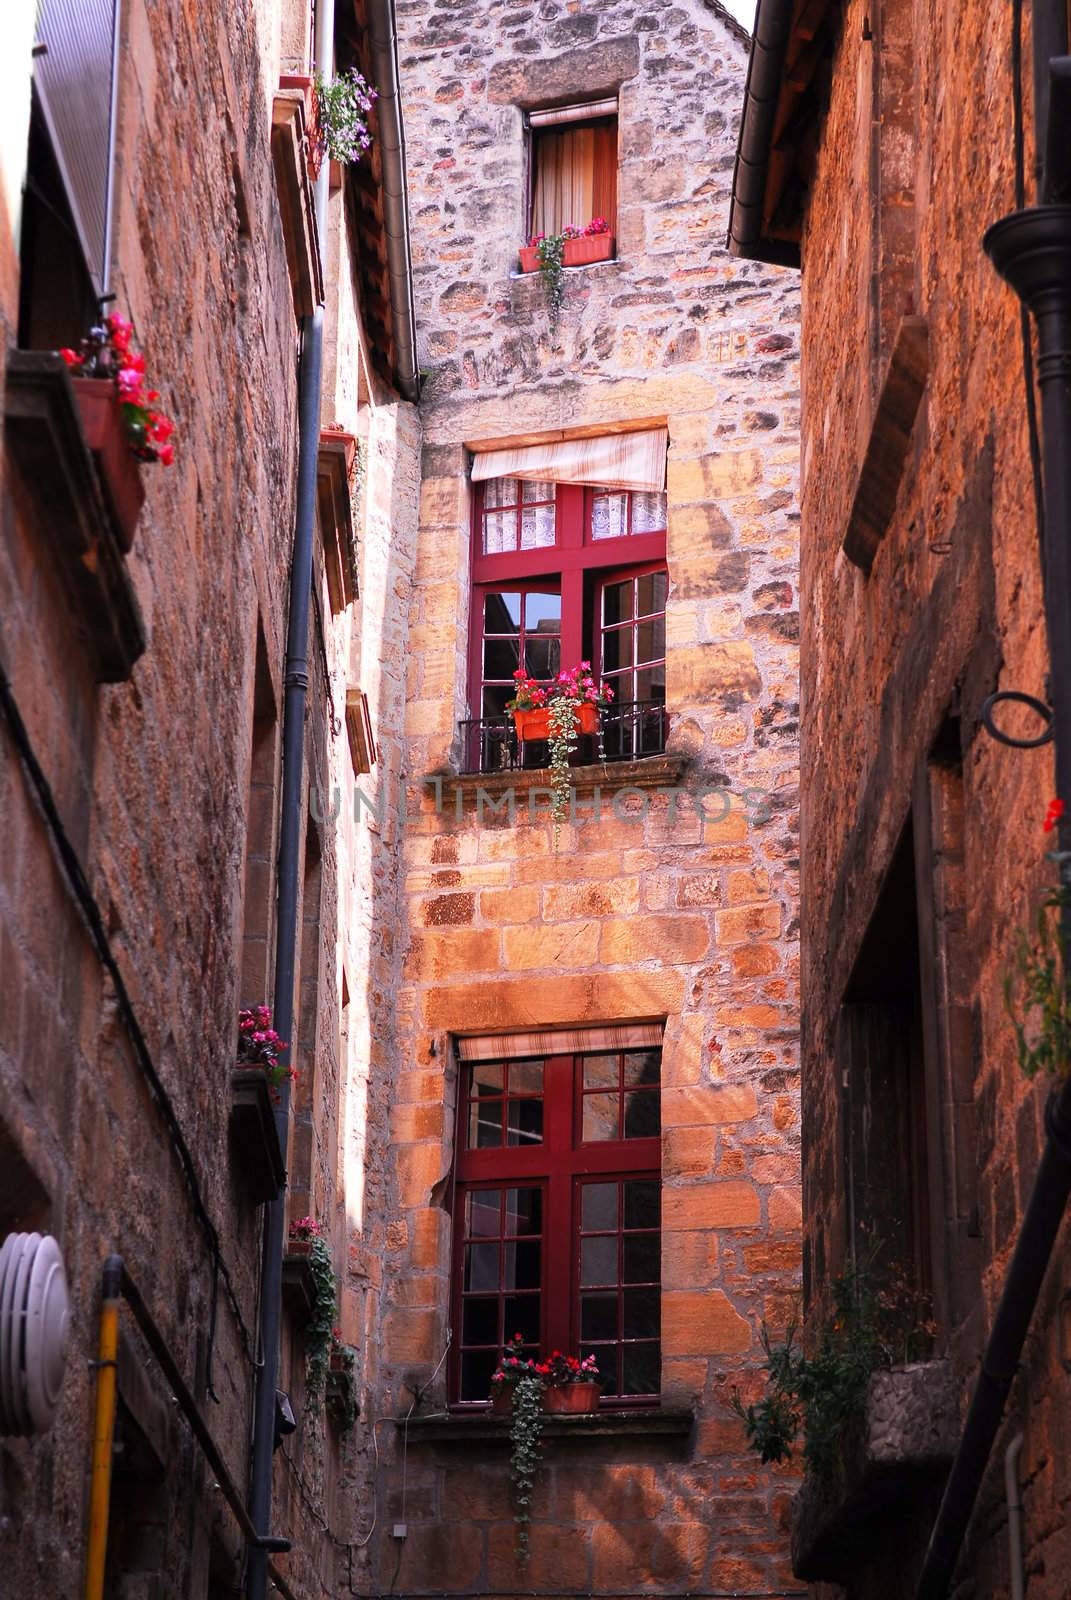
{"points": [[660, 909], [950, 612], [155, 785]]}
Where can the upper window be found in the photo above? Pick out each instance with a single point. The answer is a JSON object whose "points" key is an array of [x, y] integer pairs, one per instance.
{"points": [[573, 167], [566, 573], [557, 1221]]}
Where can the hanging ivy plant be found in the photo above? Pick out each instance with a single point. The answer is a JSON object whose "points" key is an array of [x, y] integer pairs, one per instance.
{"points": [[526, 1438], [322, 1321], [550, 248], [564, 718]]}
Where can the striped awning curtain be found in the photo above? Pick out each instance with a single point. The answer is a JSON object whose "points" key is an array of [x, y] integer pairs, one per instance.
{"points": [[610, 461], [560, 1042]]}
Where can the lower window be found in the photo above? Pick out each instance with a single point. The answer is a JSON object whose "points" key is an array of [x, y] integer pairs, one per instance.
{"points": [[558, 1217]]}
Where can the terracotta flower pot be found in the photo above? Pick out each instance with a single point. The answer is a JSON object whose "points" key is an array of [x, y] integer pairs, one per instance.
{"points": [[572, 1399], [299, 1247], [591, 247], [117, 465], [502, 1400], [536, 724], [529, 258]]}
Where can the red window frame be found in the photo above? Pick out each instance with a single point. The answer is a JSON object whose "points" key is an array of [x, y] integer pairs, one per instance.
{"points": [[607, 579], [573, 556], [559, 1165]]}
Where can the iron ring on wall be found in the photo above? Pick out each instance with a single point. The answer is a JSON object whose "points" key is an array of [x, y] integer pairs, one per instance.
{"points": [[1018, 698]]}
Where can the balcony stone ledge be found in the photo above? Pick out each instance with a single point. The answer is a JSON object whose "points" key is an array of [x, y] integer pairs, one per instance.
{"points": [[892, 1459], [448, 790], [480, 1429]]}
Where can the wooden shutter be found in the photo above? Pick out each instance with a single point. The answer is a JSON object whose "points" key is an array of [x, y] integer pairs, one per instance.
{"points": [[74, 75]]}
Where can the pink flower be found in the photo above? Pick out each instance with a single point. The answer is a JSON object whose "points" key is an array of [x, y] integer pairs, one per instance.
{"points": [[166, 455]]}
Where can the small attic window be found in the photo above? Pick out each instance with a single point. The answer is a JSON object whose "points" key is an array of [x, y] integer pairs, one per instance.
{"points": [[573, 165]]}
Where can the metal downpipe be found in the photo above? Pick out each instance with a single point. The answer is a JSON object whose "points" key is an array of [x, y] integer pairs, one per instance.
{"points": [[295, 694], [1013, 1494]]}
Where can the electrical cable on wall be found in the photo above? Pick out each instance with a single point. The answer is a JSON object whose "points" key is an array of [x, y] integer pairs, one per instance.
{"points": [[94, 921]]}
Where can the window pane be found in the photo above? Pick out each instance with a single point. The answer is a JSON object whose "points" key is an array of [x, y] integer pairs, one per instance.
{"points": [[609, 516], [482, 1213], [601, 1072], [526, 1077], [601, 1117], [476, 1369], [486, 1078], [481, 1266], [642, 1208], [598, 1316], [543, 657], [536, 490], [494, 697], [648, 512], [502, 613], [480, 1321], [616, 649], [499, 532], [522, 1316], [617, 602], [598, 1260], [606, 1361], [523, 1263], [501, 657], [643, 1369], [500, 492], [524, 1211], [524, 1122], [651, 683], [537, 527], [643, 1066], [642, 1119], [485, 1125], [641, 1314], [543, 613], [651, 640], [643, 1252], [651, 592], [598, 1206]]}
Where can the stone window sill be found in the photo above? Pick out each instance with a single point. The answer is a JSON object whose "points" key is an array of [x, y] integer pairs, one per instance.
{"points": [[610, 777], [899, 1453], [58, 482], [587, 266], [289, 153], [482, 1428]]}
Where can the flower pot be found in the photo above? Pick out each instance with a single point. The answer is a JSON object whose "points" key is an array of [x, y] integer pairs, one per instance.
{"points": [[572, 1399], [117, 465], [502, 1400], [592, 247], [529, 258], [535, 724], [299, 1247]]}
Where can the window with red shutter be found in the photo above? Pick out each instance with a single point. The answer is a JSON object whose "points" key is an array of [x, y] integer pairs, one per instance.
{"points": [[557, 1221]]}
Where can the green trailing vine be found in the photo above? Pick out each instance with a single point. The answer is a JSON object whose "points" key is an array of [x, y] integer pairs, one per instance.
{"points": [[526, 1437], [550, 249], [820, 1389], [1036, 993], [322, 1321], [563, 717]]}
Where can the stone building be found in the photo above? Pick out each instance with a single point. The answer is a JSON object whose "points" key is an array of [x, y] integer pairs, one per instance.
{"points": [[647, 953], [878, 144], [144, 676]]}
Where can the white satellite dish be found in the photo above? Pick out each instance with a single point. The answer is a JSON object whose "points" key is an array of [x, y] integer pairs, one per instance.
{"points": [[34, 1322]]}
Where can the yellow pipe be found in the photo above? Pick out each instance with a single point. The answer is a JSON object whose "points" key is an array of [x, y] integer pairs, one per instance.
{"points": [[100, 1486]]}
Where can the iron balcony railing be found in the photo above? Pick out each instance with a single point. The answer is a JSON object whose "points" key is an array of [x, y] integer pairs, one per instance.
{"points": [[627, 732]]}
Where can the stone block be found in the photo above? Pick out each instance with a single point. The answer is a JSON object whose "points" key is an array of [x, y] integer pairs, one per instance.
{"points": [[728, 1203], [705, 1105], [574, 945], [702, 1324], [670, 940]]}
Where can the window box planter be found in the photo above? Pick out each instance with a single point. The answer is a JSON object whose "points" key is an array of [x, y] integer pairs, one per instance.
{"points": [[893, 1461], [529, 258], [299, 1285], [536, 724], [502, 1400], [592, 247], [254, 1139], [118, 466], [572, 1399]]}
